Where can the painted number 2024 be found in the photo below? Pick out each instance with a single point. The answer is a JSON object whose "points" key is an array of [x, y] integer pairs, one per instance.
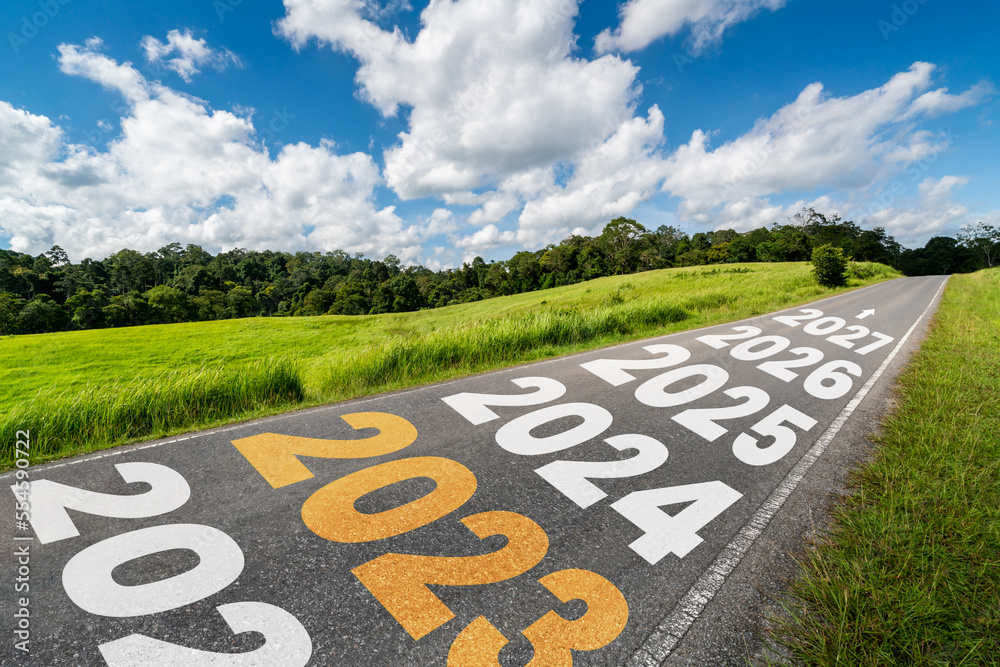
{"points": [[663, 533]]}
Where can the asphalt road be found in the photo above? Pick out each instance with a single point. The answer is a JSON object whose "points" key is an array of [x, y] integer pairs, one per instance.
{"points": [[617, 507]]}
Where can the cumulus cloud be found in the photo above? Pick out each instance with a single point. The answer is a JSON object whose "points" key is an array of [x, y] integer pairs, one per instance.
{"points": [[492, 87], [184, 54], [644, 21], [504, 117], [816, 141], [609, 180], [930, 211], [180, 170]]}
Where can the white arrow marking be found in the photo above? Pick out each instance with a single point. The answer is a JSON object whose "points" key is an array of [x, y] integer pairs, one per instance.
{"points": [[866, 313]]}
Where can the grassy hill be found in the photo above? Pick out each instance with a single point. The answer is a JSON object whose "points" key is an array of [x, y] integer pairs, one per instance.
{"points": [[88, 389]]}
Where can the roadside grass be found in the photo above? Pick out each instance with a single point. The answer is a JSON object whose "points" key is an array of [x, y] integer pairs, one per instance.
{"points": [[91, 389], [62, 420], [909, 573]]}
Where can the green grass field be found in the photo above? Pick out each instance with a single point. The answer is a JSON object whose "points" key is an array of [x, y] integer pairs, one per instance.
{"points": [[83, 390], [910, 574]]}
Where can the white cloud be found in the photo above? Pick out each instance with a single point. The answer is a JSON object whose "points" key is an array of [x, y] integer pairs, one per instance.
{"points": [[849, 143], [492, 85], [180, 171], [26, 142], [486, 238], [938, 102], [190, 54], [644, 21], [505, 118], [609, 180], [90, 63]]}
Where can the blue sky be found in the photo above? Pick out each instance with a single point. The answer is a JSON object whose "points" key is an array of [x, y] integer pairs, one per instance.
{"points": [[441, 131]]}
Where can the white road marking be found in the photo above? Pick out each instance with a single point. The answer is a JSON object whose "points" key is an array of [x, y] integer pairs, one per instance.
{"points": [[664, 639]]}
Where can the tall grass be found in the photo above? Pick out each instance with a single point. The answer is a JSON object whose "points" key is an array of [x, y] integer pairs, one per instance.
{"points": [[74, 420], [489, 344], [910, 571], [870, 270]]}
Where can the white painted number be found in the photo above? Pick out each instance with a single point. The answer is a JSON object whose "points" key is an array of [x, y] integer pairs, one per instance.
{"points": [[286, 642], [515, 436], [796, 320], [702, 420], [654, 394], [779, 369], [772, 345], [50, 500], [882, 341], [745, 446], [825, 326], [839, 383], [719, 341], [473, 406], [89, 584], [677, 534], [571, 477], [844, 340], [613, 372]]}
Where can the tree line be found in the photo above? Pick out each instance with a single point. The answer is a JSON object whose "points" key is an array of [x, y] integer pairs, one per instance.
{"points": [[182, 284]]}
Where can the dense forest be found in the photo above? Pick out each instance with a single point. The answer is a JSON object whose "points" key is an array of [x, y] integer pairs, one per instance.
{"points": [[182, 284]]}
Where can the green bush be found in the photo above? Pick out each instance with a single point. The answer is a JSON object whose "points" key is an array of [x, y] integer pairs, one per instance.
{"points": [[830, 266]]}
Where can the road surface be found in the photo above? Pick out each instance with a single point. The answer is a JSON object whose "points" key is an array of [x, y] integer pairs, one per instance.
{"points": [[593, 510]]}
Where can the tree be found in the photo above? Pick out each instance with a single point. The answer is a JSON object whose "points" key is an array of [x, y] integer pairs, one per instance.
{"points": [[719, 254], [407, 294], [126, 310], [86, 308], [983, 241], [41, 315], [240, 302], [131, 271], [57, 256], [169, 304], [621, 238], [11, 306], [830, 266]]}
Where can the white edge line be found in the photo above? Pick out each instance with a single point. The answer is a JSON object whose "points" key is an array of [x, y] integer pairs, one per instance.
{"points": [[667, 635], [126, 448]]}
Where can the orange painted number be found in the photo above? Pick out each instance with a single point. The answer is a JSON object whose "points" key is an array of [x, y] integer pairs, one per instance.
{"points": [[399, 581], [274, 455], [330, 512], [552, 636]]}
